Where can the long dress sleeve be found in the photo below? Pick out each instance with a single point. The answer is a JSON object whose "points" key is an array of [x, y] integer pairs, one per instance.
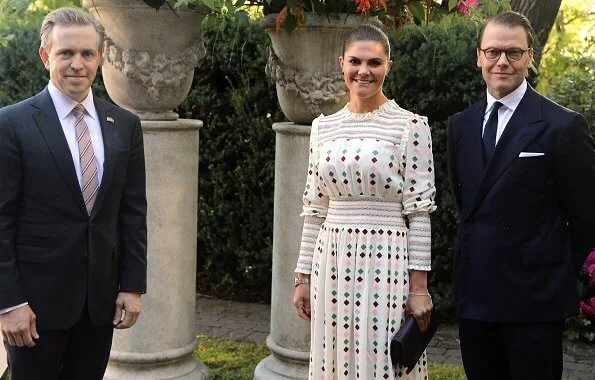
{"points": [[419, 191], [315, 206]]}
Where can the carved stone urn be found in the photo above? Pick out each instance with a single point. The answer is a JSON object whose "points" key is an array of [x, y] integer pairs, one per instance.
{"points": [[305, 65], [149, 55]]}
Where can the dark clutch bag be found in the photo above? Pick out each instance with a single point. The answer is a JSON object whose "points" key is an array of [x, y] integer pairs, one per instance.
{"points": [[409, 343]]}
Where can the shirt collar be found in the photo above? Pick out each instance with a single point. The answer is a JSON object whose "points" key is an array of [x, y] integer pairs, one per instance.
{"points": [[64, 104], [510, 101]]}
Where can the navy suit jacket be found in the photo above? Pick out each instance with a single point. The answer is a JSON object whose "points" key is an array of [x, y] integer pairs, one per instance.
{"points": [[54, 255], [526, 223]]}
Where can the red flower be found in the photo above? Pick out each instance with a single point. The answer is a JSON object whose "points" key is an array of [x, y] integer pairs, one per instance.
{"points": [[588, 309]]}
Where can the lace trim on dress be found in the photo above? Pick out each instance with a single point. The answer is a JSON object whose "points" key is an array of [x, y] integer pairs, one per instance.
{"points": [[378, 111]]}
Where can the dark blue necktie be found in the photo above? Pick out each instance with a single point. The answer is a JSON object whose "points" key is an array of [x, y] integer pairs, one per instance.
{"points": [[489, 133]]}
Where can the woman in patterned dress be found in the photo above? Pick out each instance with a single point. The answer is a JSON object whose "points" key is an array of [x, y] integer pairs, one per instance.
{"points": [[365, 249]]}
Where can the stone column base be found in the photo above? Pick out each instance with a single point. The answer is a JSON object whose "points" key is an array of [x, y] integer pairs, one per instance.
{"points": [[284, 363], [178, 364]]}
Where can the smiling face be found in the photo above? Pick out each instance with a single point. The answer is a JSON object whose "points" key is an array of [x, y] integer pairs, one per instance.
{"points": [[365, 64], [503, 76], [72, 58]]}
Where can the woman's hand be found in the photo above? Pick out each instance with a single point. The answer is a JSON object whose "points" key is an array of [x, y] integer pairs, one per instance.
{"points": [[419, 302], [301, 301], [421, 307]]}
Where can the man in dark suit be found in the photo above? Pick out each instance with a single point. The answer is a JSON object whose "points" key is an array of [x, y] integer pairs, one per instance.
{"points": [[72, 213], [522, 172]]}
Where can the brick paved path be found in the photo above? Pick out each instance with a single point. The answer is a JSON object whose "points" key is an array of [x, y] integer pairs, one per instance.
{"points": [[248, 321]]}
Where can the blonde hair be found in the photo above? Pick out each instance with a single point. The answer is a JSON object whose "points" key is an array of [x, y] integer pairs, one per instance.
{"points": [[68, 16]]}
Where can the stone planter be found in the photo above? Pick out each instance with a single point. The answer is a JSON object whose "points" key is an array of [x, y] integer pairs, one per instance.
{"points": [[305, 65], [149, 56]]}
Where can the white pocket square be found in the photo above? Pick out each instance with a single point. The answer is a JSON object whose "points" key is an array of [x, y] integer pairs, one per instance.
{"points": [[531, 154]]}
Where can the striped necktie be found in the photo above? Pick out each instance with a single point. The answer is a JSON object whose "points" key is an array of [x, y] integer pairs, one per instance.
{"points": [[90, 180]]}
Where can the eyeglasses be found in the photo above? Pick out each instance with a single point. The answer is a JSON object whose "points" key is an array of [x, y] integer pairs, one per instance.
{"points": [[511, 54]]}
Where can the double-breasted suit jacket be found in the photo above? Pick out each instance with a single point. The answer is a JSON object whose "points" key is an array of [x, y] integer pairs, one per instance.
{"points": [[527, 217], [54, 255]]}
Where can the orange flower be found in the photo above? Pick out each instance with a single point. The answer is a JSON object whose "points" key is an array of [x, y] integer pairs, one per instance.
{"points": [[363, 5], [281, 18]]}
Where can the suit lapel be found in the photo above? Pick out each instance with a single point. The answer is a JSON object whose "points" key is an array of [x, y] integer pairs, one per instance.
{"points": [[48, 123], [525, 124], [471, 143], [109, 132]]}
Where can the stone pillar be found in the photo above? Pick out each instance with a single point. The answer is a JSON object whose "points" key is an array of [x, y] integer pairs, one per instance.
{"points": [[161, 344], [289, 340]]}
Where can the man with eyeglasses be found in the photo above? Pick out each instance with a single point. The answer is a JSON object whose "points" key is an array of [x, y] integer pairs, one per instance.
{"points": [[522, 174]]}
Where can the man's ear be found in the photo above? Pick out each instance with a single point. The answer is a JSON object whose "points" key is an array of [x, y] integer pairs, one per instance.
{"points": [[45, 57], [478, 57]]}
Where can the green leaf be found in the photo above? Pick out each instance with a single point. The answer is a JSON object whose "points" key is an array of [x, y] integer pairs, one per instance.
{"points": [[452, 4], [242, 16], [210, 4], [417, 10], [290, 23], [211, 20]]}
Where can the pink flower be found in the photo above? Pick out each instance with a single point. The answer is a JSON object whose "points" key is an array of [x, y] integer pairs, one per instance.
{"points": [[589, 268], [588, 309], [466, 5]]}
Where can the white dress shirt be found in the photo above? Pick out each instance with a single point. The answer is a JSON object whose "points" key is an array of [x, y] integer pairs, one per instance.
{"points": [[509, 104], [64, 106]]}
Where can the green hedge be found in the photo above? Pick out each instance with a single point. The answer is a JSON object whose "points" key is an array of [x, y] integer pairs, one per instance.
{"points": [[238, 106]]}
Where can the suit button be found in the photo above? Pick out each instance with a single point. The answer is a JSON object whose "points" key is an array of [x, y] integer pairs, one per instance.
{"points": [[86, 255], [505, 226]]}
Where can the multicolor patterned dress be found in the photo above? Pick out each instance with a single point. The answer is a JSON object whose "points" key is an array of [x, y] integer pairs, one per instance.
{"points": [[369, 191]]}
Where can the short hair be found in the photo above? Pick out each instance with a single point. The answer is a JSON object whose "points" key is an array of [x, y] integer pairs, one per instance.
{"points": [[510, 19], [68, 16], [367, 32]]}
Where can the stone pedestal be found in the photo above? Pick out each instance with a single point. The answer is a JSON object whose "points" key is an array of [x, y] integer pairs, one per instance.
{"points": [[289, 340], [161, 344]]}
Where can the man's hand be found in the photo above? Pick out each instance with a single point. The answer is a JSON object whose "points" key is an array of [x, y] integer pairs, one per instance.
{"points": [[127, 310], [18, 327]]}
